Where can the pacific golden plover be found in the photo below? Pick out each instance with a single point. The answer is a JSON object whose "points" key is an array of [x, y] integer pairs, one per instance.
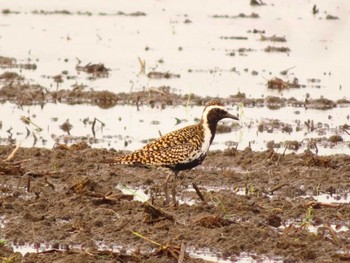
{"points": [[181, 149]]}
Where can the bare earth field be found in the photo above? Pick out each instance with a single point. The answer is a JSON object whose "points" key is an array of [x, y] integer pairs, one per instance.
{"points": [[264, 204]]}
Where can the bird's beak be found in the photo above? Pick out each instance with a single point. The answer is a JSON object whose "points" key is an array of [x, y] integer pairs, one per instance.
{"points": [[231, 116]]}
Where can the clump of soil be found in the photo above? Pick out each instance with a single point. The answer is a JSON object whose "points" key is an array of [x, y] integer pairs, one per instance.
{"points": [[277, 49], [10, 76], [280, 84], [95, 70], [162, 75], [273, 38], [331, 17], [23, 94], [335, 138], [104, 99], [79, 13], [68, 200], [271, 125], [240, 15], [9, 62], [320, 104]]}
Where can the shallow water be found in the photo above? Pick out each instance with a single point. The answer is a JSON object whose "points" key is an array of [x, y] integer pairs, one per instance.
{"points": [[204, 254], [243, 258], [317, 50], [331, 199], [122, 126]]}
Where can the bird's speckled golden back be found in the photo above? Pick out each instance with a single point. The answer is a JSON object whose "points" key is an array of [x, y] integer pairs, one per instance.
{"points": [[179, 146]]}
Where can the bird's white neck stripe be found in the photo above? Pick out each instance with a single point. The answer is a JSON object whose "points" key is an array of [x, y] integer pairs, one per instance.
{"points": [[207, 132]]}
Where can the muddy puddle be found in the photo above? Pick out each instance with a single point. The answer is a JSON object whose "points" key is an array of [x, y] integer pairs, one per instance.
{"points": [[83, 82], [202, 255], [286, 130]]}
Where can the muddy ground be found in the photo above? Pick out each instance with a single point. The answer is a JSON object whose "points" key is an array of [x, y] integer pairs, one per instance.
{"points": [[66, 199]]}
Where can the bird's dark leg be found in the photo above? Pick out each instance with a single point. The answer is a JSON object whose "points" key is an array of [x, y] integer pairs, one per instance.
{"points": [[201, 196], [173, 189], [166, 193]]}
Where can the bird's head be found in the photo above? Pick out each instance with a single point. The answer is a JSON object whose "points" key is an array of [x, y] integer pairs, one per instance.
{"points": [[214, 112]]}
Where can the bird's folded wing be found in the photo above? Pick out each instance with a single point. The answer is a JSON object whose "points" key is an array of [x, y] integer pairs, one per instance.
{"points": [[180, 153], [173, 139]]}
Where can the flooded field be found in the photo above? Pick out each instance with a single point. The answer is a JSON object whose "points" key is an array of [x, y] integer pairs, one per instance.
{"points": [[81, 81]]}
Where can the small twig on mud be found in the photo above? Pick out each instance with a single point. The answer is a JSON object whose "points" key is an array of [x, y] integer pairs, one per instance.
{"points": [[270, 156], [33, 232], [51, 251], [169, 250], [28, 132], [157, 213], [48, 181], [288, 229], [28, 175], [277, 187], [315, 204], [93, 126], [334, 235], [142, 66], [182, 253], [151, 209], [12, 154], [284, 72], [316, 151], [281, 155], [28, 184], [147, 239], [308, 217], [107, 209], [313, 144], [27, 120], [199, 193], [35, 139]]}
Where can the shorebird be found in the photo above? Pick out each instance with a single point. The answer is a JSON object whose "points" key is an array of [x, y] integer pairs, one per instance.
{"points": [[182, 149]]}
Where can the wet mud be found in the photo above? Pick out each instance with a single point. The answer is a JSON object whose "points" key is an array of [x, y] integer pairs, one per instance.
{"points": [[67, 202]]}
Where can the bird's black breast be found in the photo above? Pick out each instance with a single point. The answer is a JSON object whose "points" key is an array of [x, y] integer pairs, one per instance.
{"points": [[189, 165]]}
